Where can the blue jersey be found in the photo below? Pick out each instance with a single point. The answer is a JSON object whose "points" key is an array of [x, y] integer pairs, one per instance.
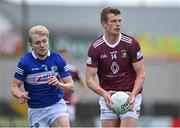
{"points": [[35, 74]]}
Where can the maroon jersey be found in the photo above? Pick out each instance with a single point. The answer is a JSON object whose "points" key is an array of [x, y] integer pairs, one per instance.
{"points": [[76, 77], [114, 62]]}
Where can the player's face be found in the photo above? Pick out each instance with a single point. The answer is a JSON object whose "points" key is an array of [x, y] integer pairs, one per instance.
{"points": [[40, 45], [113, 24]]}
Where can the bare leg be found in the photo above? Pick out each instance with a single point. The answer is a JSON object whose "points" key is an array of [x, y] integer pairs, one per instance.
{"points": [[129, 122], [110, 123], [61, 122]]}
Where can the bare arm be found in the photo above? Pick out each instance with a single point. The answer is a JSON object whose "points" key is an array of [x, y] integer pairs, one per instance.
{"points": [[91, 82], [140, 78], [93, 85], [16, 92], [67, 86]]}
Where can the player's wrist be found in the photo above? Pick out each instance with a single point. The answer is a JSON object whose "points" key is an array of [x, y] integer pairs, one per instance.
{"points": [[134, 94], [58, 85]]}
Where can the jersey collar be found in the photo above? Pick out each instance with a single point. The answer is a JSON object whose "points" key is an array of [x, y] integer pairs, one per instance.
{"points": [[112, 45], [35, 57]]}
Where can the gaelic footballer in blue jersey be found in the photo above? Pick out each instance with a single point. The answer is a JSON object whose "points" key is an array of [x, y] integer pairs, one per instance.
{"points": [[45, 76]]}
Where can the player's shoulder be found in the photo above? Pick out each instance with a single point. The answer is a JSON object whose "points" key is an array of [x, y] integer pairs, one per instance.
{"points": [[26, 59], [57, 58], [128, 39], [55, 55], [97, 42], [26, 56]]}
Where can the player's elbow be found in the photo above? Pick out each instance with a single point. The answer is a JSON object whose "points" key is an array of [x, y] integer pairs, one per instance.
{"points": [[71, 89], [88, 82], [12, 91], [143, 76]]}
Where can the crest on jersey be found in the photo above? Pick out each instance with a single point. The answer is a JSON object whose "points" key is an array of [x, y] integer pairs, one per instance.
{"points": [[123, 53], [54, 68]]}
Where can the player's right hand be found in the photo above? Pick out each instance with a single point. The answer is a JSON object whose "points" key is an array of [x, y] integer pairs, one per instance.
{"points": [[53, 81], [23, 97], [107, 98]]}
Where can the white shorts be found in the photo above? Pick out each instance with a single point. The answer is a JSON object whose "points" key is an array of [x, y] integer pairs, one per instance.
{"points": [[44, 117], [106, 113], [72, 112]]}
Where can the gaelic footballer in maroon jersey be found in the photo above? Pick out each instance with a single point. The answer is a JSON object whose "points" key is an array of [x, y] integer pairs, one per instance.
{"points": [[118, 74], [117, 60]]}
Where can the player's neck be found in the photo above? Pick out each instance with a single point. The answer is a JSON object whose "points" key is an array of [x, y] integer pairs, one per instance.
{"points": [[112, 39], [41, 57]]}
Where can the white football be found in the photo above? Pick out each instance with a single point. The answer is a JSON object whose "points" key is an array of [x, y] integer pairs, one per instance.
{"points": [[120, 102]]}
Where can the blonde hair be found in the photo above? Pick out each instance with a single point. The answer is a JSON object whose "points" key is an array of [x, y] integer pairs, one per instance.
{"points": [[38, 29]]}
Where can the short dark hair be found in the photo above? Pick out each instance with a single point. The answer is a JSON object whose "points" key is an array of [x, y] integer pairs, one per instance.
{"points": [[107, 11]]}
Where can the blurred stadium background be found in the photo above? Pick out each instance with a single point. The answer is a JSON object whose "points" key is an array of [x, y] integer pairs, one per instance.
{"points": [[74, 25]]}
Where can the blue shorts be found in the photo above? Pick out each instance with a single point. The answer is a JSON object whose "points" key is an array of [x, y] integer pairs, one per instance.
{"points": [[44, 117]]}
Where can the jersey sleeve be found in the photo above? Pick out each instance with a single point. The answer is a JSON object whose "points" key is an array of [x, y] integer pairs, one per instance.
{"points": [[20, 71], [136, 53], [63, 67], [92, 59]]}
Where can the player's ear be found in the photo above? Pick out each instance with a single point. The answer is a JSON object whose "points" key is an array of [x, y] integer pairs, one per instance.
{"points": [[30, 45], [103, 23]]}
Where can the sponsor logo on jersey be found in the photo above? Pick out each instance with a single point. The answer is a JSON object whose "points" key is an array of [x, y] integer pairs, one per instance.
{"points": [[114, 67], [89, 60], [103, 56], [35, 69], [40, 78]]}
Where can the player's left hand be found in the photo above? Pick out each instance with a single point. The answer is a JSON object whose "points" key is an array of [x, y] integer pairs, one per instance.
{"points": [[132, 100], [53, 81]]}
